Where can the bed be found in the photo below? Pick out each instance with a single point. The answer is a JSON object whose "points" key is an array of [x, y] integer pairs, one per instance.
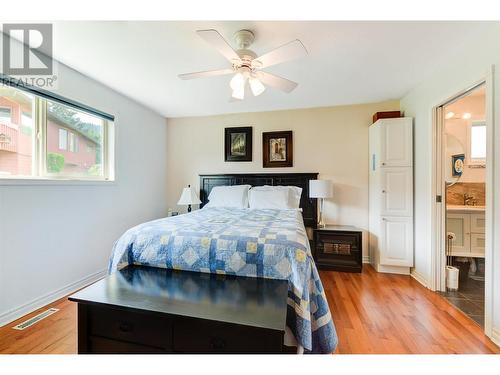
{"points": [[267, 243]]}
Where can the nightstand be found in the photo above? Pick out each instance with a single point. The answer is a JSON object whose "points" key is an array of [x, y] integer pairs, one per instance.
{"points": [[338, 248]]}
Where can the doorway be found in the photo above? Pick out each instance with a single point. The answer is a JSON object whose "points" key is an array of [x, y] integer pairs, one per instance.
{"points": [[462, 180]]}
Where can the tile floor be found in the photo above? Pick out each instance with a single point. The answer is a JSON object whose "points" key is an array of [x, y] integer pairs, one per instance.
{"points": [[469, 298]]}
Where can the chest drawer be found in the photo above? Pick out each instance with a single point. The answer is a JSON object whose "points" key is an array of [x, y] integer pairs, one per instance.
{"points": [[101, 345], [132, 327], [197, 336]]}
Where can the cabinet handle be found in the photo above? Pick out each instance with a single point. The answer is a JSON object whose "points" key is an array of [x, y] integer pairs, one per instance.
{"points": [[383, 163], [383, 191]]}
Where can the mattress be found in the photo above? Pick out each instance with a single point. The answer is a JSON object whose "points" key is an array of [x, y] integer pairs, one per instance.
{"points": [[244, 242]]}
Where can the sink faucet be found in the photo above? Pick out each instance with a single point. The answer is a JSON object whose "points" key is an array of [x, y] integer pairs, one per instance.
{"points": [[468, 199]]}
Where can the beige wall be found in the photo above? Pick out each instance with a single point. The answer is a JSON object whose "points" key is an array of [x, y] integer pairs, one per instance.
{"points": [[332, 141]]}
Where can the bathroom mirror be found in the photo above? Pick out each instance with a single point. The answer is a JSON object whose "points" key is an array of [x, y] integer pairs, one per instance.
{"points": [[453, 147]]}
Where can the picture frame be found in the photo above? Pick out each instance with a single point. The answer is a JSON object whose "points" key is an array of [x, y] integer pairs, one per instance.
{"points": [[457, 164], [238, 143], [277, 149]]}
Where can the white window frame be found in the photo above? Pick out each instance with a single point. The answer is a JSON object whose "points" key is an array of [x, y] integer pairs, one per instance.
{"points": [[10, 110], [474, 161], [65, 148], [71, 142], [39, 155]]}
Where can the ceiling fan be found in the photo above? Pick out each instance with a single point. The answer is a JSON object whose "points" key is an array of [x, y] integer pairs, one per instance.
{"points": [[246, 66]]}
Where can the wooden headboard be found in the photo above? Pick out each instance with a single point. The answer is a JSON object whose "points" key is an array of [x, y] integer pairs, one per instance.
{"points": [[309, 206]]}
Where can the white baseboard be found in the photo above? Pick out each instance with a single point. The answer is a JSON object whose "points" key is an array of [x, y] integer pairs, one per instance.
{"points": [[417, 276], [366, 259], [16, 313], [495, 336], [392, 269]]}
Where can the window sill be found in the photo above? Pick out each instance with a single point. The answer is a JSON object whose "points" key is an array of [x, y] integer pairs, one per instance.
{"points": [[7, 181]]}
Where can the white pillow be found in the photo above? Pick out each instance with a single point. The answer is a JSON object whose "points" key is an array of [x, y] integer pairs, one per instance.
{"points": [[235, 196], [294, 193], [269, 198]]}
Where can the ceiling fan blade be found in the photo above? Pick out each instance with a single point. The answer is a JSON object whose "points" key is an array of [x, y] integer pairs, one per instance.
{"points": [[213, 38], [289, 51], [207, 73], [279, 83]]}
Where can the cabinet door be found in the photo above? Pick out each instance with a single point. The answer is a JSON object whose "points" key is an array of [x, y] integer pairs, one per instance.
{"points": [[477, 244], [477, 223], [396, 247], [397, 191], [396, 143], [459, 224]]}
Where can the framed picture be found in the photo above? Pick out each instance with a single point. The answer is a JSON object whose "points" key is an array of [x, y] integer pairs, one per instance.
{"points": [[457, 165], [277, 149], [238, 144]]}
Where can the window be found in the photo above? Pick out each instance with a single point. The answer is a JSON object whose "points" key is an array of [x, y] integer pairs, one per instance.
{"points": [[63, 139], [79, 125], [62, 127], [478, 142], [5, 114], [16, 142]]}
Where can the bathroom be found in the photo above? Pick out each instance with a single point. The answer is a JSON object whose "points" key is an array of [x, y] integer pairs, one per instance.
{"points": [[465, 171]]}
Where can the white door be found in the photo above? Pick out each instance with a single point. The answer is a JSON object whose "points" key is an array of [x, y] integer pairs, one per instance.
{"points": [[396, 248], [396, 145], [397, 191], [459, 225]]}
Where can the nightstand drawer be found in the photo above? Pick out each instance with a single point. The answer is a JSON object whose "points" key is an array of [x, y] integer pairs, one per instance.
{"points": [[338, 243], [338, 250]]}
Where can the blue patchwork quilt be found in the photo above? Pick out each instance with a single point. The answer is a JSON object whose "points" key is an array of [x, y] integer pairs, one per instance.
{"points": [[256, 243]]}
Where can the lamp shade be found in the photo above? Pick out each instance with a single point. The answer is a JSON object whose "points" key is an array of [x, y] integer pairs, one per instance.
{"points": [[320, 189], [188, 196]]}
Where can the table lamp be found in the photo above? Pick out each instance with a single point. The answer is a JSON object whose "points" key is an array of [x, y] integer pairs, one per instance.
{"points": [[188, 197], [320, 189]]}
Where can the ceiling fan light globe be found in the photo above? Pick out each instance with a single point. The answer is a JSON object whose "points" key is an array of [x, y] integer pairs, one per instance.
{"points": [[237, 83], [239, 94], [256, 86]]}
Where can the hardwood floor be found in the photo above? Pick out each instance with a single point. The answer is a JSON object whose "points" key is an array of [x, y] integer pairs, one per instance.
{"points": [[379, 313], [373, 313]]}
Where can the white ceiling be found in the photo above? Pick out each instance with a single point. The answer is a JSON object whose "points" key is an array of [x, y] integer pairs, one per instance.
{"points": [[348, 62]]}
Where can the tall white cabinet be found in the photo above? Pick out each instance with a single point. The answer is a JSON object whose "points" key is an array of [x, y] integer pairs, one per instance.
{"points": [[391, 195]]}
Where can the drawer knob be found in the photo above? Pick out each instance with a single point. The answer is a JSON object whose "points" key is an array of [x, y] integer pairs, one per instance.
{"points": [[217, 343], [125, 327]]}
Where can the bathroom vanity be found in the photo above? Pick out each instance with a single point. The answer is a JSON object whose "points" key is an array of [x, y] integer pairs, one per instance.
{"points": [[468, 225]]}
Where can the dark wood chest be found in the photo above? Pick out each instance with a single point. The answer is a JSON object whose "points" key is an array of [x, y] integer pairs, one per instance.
{"points": [[152, 310]]}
